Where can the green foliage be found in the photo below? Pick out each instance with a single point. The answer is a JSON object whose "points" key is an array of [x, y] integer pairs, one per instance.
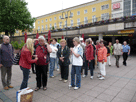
{"points": [[52, 27], [15, 15], [17, 46]]}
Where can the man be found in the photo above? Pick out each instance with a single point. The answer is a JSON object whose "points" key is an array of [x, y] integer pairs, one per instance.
{"points": [[42, 50], [126, 52], [117, 51], [6, 61]]}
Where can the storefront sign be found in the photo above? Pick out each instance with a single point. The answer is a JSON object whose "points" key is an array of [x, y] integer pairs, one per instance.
{"points": [[118, 26], [126, 31], [116, 6]]}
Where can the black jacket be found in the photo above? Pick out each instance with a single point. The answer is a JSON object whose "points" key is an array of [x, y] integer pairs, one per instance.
{"points": [[66, 54]]}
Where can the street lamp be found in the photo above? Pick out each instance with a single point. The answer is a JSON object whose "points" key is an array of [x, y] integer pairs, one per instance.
{"points": [[66, 17]]}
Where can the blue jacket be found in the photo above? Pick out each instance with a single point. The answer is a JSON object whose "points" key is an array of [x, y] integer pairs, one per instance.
{"points": [[6, 55]]}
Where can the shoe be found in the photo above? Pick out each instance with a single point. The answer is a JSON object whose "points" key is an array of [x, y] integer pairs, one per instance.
{"points": [[76, 88], [117, 66], [10, 86], [84, 76], [99, 76], [6, 88], [60, 79], [109, 65], [69, 86], [34, 72], [58, 70], [65, 81], [52, 76], [91, 77], [102, 78]]}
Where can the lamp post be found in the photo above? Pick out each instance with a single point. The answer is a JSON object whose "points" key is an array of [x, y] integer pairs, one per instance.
{"points": [[66, 17]]}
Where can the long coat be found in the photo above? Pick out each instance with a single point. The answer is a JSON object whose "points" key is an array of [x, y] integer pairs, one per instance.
{"points": [[66, 54]]}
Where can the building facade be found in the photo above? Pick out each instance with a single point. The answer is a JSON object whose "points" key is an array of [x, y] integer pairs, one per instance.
{"points": [[81, 14]]}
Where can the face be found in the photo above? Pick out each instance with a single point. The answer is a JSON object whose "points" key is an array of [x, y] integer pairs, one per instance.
{"points": [[41, 42], [101, 44], [125, 43], [75, 43], [117, 41], [63, 44], [6, 40], [86, 43], [110, 43]]}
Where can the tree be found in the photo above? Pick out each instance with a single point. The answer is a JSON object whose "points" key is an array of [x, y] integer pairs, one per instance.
{"points": [[15, 15]]}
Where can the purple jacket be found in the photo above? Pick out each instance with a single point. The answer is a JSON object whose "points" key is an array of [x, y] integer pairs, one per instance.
{"points": [[6, 55]]}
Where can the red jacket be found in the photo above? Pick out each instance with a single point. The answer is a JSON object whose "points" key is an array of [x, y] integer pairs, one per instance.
{"points": [[26, 59], [89, 52], [41, 51]]}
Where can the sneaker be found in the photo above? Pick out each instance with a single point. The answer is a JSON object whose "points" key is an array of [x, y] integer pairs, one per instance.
{"points": [[60, 79], [10, 86], [99, 76], [6, 88], [91, 77], [102, 78], [84, 76], [65, 81], [69, 86], [76, 88], [58, 70], [52, 76]]}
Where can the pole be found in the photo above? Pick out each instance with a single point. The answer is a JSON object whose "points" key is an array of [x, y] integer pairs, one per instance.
{"points": [[66, 29]]}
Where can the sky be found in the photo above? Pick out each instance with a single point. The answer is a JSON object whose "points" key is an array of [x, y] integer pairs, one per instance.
{"points": [[42, 7]]}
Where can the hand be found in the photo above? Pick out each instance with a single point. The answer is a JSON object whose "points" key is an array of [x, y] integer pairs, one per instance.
{"points": [[102, 61], [71, 49], [113, 53], [89, 60], [34, 55], [128, 53], [36, 58], [44, 57], [122, 53], [35, 40], [46, 43], [1, 65], [55, 49]]}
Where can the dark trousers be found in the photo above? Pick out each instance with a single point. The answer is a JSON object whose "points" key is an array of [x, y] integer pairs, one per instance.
{"points": [[25, 77], [33, 67], [93, 63], [117, 59], [64, 72], [41, 75], [125, 56], [90, 67]]}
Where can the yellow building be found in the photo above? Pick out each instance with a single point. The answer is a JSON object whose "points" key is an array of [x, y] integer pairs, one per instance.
{"points": [[81, 14]]}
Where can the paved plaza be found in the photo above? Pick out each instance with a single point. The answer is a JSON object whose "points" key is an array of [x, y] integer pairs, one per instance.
{"points": [[119, 86]]}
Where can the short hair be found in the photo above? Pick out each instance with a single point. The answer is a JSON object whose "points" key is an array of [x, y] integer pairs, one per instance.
{"points": [[55, 39], [5, 36], [88, 40], [97, 41], [77, 39], [104, 42], [125, 41], [63, 40], [51, 40], [41, 37]]}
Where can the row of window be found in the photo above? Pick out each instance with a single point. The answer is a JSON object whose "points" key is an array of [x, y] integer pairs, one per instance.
{"points": [[103, 7], [104, 16]]}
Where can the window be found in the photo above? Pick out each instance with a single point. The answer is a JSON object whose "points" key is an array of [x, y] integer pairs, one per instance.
{"points": [[72, 23], [85, 11], [94, 19], [50, 26], [42, 27], [60, 24], [127, 7], [42, 21], [78, 21], [38, 22], [85, 20], [54, 18], [55, 26], [65, 23], [105, 16], [78, 12], [93, 9], [50, 19], [38, 28], [71, 14], [59, 17], [17, 31], [46, 27], [103, 7], [46, 20]]}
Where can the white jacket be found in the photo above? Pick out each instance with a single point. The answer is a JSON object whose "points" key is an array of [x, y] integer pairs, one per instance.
{"points": [[53, 54]]}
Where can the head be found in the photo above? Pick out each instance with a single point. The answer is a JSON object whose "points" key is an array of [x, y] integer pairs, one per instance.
{"points": [[125, 43], [117, 41], [41, 40], [6, 39], [110, 43], [103, 43], [90, 40], [76, 41], [63, 42], [101, 40], [30, 45], [97, 42], [87, 41], [55, 40]]}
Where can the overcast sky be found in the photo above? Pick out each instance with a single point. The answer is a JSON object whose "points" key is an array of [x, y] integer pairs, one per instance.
{"points": [[42, 7]]}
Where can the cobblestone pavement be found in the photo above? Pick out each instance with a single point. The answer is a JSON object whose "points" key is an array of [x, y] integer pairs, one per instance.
{"points": [[119, 86]]}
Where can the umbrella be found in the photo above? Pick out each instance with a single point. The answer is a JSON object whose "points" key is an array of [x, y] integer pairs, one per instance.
{"points": [[49, 36], [25, 37], [83, 37], [37, 35], [62, 37]]}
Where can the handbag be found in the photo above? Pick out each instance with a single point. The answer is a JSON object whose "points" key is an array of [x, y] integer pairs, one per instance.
{"points": [[16, 59]]}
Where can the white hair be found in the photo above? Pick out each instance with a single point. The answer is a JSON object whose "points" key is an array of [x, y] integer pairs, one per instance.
{"points": [[41, 37]]}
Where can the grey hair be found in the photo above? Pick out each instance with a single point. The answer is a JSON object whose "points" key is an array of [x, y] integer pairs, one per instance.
{"points": [[5, 36], [41, 37], [77, 39], [88, 40], [97, 41], [125, 41]]}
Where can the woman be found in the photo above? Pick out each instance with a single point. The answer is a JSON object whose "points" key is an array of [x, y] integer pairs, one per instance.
{"points": [[102, 59], [77, 63], [26, 61], [53, 56], [111, 51], [97, 49], [89, 58], [63, 56]]}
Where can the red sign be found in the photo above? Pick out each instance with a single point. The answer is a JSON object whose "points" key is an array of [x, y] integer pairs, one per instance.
{"points": [[116, 6]]}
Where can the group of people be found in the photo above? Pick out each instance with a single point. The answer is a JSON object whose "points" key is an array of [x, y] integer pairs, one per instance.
{"points": [[38, 52]]}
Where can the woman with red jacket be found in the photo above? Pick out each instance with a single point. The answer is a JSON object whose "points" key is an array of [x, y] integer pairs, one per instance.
{"points": [[89, 57], [26, 61]]}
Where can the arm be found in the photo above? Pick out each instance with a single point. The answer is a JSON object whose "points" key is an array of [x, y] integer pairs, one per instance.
{"points": [[104, 55], [29, 58], [80, 52], [0, 55], [49, 48], [129, 50]]}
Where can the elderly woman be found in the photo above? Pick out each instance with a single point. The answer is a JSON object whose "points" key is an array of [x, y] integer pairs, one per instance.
{"points": [[63, 56], [89, 58], [77, 63]]}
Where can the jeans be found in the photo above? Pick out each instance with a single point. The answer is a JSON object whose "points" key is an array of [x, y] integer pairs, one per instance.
{"points": [[41, 75], [64, 71], [52, 66], [117, 59], [90, 67], [25, 77], [76, 70], [125, 56], [4, 71], [57, 62]]}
